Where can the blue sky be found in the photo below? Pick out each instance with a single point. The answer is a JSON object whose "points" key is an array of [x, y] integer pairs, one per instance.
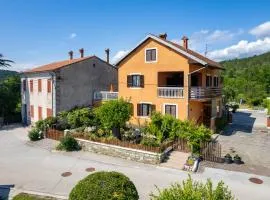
{"points": [[36, 32]]}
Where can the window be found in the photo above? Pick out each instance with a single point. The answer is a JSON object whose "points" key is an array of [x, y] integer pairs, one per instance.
{"points": [[208, 81], [170, 109], [144, 109], [39, 85], [49, 85], [31, 85], [32, 111], [49, 112], [39, 113], [216, 81], [135, 80], [24, 85], [150, 55]]}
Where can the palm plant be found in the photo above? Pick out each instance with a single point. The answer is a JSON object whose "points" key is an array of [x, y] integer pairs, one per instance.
{"points": [[4, 62]]}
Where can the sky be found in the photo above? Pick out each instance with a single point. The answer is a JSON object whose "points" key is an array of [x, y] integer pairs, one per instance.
{"points": [[37, 32]]}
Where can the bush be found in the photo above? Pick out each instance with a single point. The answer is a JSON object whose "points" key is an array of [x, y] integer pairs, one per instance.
{"points": [[194, 190], [80, 117], [104, 185], [34, 134], [42, 125], [24, 196], [114, 113], [68, 143]]}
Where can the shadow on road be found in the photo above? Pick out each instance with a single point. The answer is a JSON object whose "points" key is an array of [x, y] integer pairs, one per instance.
{"points": [[4, 191], [242, 121]]}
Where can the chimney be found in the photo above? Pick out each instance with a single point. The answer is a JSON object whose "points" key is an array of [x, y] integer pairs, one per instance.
{"points": [[185, 42], [163, 36], [107, 55], [81, 52], [70, 55]]}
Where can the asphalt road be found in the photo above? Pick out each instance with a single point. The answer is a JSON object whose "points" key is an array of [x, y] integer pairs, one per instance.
{"points": [[33, 168]]}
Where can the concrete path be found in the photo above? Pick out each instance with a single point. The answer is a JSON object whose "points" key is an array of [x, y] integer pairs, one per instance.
{"points": [[37, 169]]}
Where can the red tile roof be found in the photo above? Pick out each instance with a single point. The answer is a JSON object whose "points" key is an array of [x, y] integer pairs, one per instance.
{"points": [[56, 65]]}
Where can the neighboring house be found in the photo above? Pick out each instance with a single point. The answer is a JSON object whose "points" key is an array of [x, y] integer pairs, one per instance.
{"points": [[60, 86], [159, 75]]}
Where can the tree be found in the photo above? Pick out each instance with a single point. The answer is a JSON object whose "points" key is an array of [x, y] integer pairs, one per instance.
{"points": [[194, 190], [114, 114], [4, 62]]}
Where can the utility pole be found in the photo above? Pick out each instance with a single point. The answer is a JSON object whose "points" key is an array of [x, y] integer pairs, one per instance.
{"points": [[206, 50]]}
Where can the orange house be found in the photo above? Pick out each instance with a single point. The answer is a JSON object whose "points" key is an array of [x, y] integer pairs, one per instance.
{"points": [[159, 75]]}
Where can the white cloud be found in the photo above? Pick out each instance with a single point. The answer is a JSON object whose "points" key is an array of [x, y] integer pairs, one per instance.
{"points": [[199, 39], [72, 35], [263, 30], [242, 49], [119, 55], [20, 67]]}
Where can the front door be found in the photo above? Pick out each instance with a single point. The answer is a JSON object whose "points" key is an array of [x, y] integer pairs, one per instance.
{"points": [[207, 111]]}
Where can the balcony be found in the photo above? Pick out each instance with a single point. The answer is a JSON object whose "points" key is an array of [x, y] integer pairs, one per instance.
{"points": [[170, 92], [204, 92], [105, 95]]}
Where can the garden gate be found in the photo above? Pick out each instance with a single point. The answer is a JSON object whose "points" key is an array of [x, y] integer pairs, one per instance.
{"points": [[211, 151]]}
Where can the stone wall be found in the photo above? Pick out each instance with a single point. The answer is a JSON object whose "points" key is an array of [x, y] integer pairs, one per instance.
{"points": [[122, 152]]}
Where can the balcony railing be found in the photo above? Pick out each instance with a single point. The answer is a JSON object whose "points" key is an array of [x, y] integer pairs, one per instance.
{"points": [[105, 95], [170, 92], [203, 92]]}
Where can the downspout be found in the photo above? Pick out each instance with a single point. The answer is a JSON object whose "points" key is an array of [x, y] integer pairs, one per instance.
{"points": [[53, 75], [189, 76]]}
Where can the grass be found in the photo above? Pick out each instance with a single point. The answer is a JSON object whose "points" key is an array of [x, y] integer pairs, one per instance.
{"points": [[24, 196]]}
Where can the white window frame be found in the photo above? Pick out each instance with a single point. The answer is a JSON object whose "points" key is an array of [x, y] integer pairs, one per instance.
{"points": [[144, 102], [154, 61], [170, 104], [131, 74]]}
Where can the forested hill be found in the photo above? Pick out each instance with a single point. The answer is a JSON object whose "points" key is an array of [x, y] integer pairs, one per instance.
{"points": [[6, 73], [247, 78]]}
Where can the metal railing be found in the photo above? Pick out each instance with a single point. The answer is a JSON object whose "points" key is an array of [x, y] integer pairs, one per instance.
{"points": [[170, 92], [105, 95], [203, 92]]}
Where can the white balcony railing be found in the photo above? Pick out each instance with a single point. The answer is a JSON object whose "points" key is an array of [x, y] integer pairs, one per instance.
{"points": [[203, 92], [170, 92], [105, 95]]}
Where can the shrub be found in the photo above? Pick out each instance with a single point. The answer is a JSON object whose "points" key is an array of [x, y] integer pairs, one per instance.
{"points": [[104, 185], [80, 117], [194, 190], [150, 141], [34, 134], [24, 196], [42, 125], [114, 113], [68, 143]]}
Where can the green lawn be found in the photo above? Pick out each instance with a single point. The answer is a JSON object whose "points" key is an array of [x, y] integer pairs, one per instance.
{"points": [[23, 196]]}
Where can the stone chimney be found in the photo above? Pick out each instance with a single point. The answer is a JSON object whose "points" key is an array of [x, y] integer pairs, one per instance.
{"points": [[70, 55], [163, 36], [185, 42], [107, 51], [81, 52]]}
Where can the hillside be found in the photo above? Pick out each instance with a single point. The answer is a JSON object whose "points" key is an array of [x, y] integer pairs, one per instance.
{"points": [[247, 78], [6, 73]]}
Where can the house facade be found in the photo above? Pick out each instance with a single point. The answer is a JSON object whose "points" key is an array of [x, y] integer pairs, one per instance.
{"points": [[159, 75], [60, 86]]}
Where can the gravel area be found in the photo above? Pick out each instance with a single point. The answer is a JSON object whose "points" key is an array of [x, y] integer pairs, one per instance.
{"points": [[47, 144]]}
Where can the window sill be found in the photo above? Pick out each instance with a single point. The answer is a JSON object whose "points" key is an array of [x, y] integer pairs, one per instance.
{"points": [[154, 61], [143, 117], [135, 88]]}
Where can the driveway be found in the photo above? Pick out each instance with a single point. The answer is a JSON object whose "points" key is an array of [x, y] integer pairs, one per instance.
{"points": [[248, 137], [37, 169]]}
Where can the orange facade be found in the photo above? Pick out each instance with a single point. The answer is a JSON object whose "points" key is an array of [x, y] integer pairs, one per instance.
{"points": [[166, 82]]}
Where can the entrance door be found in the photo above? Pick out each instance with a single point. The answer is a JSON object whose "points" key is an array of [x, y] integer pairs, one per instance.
{"points": [[24, 114], [207, 111]]}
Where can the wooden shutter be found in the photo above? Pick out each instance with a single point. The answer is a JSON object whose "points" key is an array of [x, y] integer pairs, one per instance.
{"points": [[39, 113], [139, 110], [49, 112], [142, 81], [49, 85], [32, 111], [129, 81], [31, 85], [39, 85]]}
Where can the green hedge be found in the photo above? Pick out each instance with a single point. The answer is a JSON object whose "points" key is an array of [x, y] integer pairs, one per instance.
{"points": [[68, 143], [104, 185]]}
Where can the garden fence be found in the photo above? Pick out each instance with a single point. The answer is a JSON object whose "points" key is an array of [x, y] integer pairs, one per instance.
{"points": [[54, 134], [211, 151]]}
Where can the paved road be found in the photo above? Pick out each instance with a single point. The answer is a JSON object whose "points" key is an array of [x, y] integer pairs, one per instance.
{"points": [[37, 169], [248, 137]]}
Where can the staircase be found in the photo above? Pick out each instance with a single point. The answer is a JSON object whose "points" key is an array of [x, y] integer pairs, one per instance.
{"points": [[175, 160]]}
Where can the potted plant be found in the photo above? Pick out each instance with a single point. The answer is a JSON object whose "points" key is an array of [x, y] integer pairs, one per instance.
{"points": [[237, 159], [228, 158]]}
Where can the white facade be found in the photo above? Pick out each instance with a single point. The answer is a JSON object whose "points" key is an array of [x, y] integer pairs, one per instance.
{"points": [[35, 98]]}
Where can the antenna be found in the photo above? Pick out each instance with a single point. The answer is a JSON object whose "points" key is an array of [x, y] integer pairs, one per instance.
{"points": [[206, 50]]}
